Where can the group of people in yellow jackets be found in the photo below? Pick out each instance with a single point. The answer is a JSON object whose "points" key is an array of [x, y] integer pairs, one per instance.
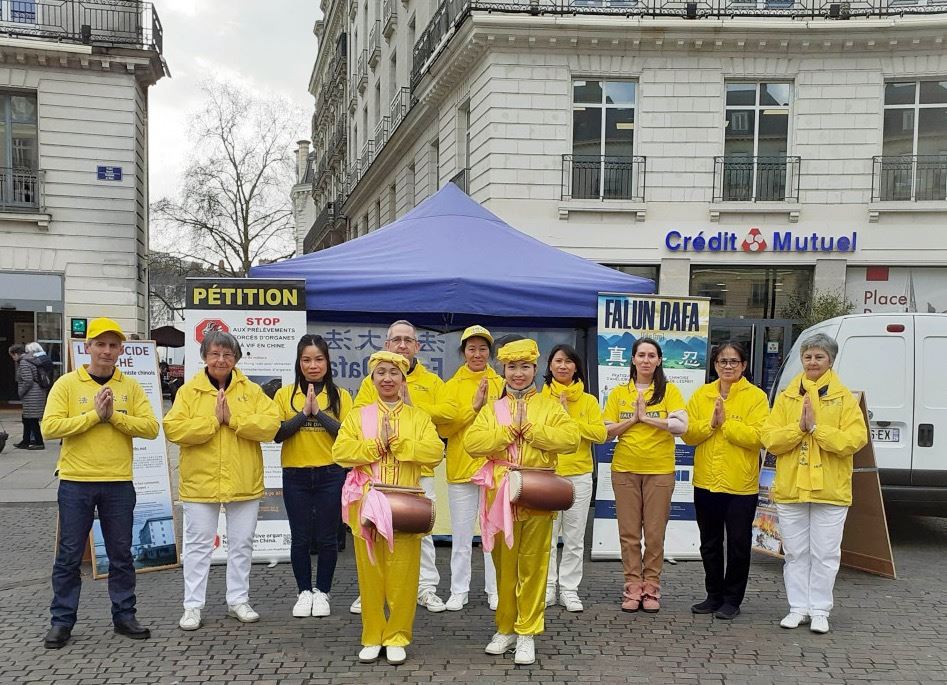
{"points": [[340, 454]]}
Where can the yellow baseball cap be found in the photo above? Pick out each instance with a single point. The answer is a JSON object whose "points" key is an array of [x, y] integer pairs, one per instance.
{"points": [[103, 325], [477, 331]]}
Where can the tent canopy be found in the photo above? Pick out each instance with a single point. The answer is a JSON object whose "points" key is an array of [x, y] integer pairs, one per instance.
{"points": [[450, 262], [169, 336]]}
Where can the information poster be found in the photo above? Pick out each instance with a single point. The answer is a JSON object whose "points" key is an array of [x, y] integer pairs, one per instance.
{"points": [[681, 326], [154, 545], [267, 317]]}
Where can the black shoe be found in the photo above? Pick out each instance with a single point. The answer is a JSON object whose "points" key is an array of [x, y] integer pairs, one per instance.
{"points": [[57, 637], [727, 612], [708, 606], [133, 629], [36, 447], [21, 445]]}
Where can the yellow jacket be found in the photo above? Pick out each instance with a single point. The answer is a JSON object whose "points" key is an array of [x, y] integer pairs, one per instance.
{"points": [[587, 414], [460, 391], [312, 445], [727, 458], [426, 391], [416, 445], [550, 432], [642, 448], [93, 450], [840, 432], [221, 463]]}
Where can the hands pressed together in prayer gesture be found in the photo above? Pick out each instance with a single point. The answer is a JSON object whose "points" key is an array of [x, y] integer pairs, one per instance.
{"points": [[519, 420], [386, 434], [222, 410], [719, 415], [480, 397], [104, 404], [311, 408], [807, 419]]}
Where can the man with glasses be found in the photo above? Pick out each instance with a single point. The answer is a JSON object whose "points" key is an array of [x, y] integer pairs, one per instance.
{"points": [[424, 390], [96, 410]]}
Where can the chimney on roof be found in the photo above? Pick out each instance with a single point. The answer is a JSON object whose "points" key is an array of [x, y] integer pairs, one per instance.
{"points": [[302, 159]]}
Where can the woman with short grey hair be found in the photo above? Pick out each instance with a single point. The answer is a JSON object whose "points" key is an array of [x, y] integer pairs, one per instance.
{"points": [[814, 430], [219, 419]]}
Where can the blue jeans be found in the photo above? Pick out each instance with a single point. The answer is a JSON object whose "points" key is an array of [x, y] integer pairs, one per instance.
{"points": [[313, 498], [78, 502]]}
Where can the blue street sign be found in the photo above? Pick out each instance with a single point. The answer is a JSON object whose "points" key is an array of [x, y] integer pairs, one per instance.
{"points": [[109, 173]]}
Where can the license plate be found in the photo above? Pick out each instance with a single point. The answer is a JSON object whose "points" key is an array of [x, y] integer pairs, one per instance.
{"points": [[886, 435]]}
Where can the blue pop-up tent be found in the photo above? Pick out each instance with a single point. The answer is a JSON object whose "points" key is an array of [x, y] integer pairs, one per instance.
{"points": [[448, 263]]}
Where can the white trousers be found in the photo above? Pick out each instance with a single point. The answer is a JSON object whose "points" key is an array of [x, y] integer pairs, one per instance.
{"points": [[200, 528], [812, 543], [571, 525], [464, 499], [429, 578]]}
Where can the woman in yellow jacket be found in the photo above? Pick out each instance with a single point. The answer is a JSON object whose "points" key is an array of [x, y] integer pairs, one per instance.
{"points": [[386, 442], [470, 389], [312, 409], [522, 428], [724, 419], [565, 381], [219, 419], [814, 430], [645, 415]]}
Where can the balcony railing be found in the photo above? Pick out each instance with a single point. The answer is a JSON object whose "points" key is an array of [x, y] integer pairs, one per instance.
{"points": [[337, 141], [451, 13], [21, 189], [319, 226], [362, 72], [756, 179], [104, 22], [391, 17], [907, 178], [374, 44], [381, 134], [367, 157], [400, 104], [462, 180], [594, 177]]}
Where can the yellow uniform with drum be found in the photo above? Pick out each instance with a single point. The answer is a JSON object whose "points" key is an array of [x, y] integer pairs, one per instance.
{"points": [[393, 577]]}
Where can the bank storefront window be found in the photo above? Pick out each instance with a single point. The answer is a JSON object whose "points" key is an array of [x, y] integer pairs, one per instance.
{"points": [[750, 292]]}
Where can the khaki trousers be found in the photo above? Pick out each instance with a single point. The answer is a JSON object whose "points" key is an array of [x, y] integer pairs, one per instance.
{"points": [[642, 502]]}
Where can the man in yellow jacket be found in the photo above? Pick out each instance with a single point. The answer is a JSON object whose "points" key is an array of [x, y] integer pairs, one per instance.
{"points": [[96, 410], [424, 390]]}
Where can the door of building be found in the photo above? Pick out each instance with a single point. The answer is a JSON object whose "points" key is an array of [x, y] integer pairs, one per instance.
{"points": [[766, 340]]}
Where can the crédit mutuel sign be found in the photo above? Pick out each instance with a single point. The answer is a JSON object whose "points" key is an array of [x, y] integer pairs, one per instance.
{"points": [[756, 241]]}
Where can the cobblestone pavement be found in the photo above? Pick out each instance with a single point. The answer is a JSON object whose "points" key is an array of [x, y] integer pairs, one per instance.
{"points": [[883, 631]]}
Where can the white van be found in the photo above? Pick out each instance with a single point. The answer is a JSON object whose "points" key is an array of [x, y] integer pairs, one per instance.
{"points": [[900, 362]]}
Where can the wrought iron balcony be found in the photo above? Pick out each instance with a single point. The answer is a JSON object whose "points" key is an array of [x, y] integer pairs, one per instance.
{"points": [[756, 179], [390, 17], [367, 157], [909, 178], [362, 72], [374, 44], [400, 104], [381, 134], [21, 190], [91, 22], [337, 141], [594, 177]]}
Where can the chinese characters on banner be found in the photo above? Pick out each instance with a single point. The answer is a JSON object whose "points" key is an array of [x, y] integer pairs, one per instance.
{"points": [[681, 326], [267, 317]]}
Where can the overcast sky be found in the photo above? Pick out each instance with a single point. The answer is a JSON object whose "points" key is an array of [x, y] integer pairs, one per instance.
{"points": [[268, 45]]}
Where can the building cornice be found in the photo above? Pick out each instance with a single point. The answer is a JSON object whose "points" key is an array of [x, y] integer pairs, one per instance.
{"points": [[147, 66]]}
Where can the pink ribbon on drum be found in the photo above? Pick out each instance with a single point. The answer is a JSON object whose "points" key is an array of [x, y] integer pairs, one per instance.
{"points": [[497, 517], [375, 509]]}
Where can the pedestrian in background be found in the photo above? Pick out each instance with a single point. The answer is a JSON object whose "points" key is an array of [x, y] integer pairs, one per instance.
{"points": [[31, 394], [96, 410], [814, 430], [724, 419], [219, 418]]}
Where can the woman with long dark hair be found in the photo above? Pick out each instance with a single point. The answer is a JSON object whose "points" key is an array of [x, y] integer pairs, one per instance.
{"points": [[312, 410], [565, 382], [645, 415], [725, 418]]}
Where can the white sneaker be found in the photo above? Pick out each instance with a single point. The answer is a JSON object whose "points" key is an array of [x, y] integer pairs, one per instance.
{"points": [[395, 655], [320, 603], [493, 599], [501, 644], [456, 602], [525, 650], [570, 600], [303, 606], [793, 620], [820, 624], [430, 601], [550, 595], [369, 654], [356, 607], [243, 613], [191, 620]]}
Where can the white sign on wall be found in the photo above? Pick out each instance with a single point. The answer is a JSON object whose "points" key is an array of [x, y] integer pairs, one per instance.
{"points": [[897, 289]]}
